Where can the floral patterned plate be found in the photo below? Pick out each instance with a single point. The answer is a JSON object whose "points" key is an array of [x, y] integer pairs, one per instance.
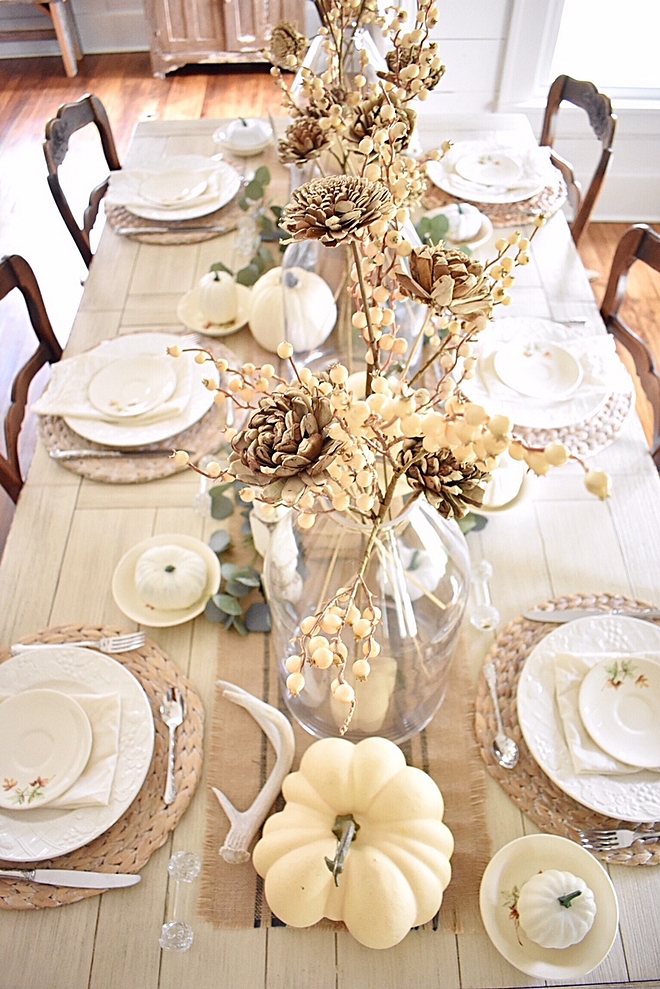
{"points": [[45, 742], [619, 704]]}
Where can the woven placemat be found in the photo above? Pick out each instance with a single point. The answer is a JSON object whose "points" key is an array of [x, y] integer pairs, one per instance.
{"points": [[204, 436], [128, 844], [590, 436], [527, 785], [546, 202], [216, 224]]}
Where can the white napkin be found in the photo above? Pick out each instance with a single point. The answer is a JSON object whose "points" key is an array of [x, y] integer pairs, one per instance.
{"points": [[587, 756], [94, 786], [66, 394], [124, 188]]}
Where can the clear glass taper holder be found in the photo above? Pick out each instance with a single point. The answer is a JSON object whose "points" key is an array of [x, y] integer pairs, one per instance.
{"points": [[485, 615], [176, 933]]}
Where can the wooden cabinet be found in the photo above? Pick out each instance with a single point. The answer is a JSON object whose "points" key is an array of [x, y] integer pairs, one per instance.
{"points": [[184, 31]]}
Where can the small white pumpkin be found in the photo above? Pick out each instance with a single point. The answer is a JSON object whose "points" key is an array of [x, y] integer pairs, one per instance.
{"points": [[556, 909], [396, 849], [464, 222], [217, 297], [170, 577], [305, 318]]}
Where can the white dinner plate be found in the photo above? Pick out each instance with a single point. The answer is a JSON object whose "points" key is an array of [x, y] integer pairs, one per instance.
{"points": [[126, 593], [131, 386], [45, 742], [188, 312], [509, 869], [489, 168], [539, 369], [172, 189], [222, 185], [127, 433], [619, 704], [632, 797], [51, 831]]}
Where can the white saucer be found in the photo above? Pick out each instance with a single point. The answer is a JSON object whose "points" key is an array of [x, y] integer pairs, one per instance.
{"points": [[538, 369], [620, 708], [510, 868], [126, 595], [489, 168], [45, 742], [188, 312], [131, 386]]}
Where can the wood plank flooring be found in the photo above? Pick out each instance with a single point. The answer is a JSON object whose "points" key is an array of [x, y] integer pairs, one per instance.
{"points": [[31, 91]]}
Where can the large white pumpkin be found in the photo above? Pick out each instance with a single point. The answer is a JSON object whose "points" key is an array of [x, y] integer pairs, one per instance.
{"points": [[170, 577], [305, 318]]}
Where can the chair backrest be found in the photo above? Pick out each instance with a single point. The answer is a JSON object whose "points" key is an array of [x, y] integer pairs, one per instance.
{"points": [[639, 243], [16, 273], [602, 120], [70, 118]]}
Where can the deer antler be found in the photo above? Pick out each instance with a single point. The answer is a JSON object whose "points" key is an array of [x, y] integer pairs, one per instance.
{"points": [[278, 730]]}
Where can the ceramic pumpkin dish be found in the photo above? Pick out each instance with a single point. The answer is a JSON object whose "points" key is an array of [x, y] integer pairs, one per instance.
{"points": [[360, 840]]}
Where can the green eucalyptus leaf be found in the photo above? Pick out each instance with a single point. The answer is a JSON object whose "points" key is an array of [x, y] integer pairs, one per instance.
{"points": [[249, 275], [237, 589], [221, 506], [248, 576], [262, 175], [258, 617], [254, 191], [219, 266], [229, 570], [213, 613], [219, 541], [240, 626], [228, 603]]}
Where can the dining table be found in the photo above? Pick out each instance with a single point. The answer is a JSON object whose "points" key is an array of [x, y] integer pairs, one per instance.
{"points": [[554, 545]]}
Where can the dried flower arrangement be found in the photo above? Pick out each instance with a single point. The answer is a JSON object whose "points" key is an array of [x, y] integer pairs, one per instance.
{"points": [[316, 441]]}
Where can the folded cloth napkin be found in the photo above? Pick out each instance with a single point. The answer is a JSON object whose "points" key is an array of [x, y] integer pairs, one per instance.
{"points": [[587, 755], [124, 188], [94, 786], [66, 394]]}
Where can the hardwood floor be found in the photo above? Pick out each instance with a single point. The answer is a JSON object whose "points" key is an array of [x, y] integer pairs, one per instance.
{"points": [[31, 91]]}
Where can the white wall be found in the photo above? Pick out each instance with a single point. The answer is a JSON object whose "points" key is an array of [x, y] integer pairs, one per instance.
{"points": [[489, 59]]}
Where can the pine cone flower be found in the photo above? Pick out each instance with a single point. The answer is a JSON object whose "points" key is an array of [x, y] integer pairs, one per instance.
{"points": [[336, 209], [303, 141], [451, 487], [288, 46], [447, 280], [285, 447], [367, 121]]}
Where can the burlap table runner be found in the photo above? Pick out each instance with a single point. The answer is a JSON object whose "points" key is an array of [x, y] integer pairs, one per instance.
{"points": [[240, 760]]}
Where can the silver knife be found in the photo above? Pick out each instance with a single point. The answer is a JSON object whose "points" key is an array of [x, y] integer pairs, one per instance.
{"points": [[558, 617], [72, 877], [86, 454], [127, 231]]}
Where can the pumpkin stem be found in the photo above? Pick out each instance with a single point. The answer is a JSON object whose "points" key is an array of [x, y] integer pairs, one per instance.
{"points": [[567, 899], [345, 830], [170, 568]]}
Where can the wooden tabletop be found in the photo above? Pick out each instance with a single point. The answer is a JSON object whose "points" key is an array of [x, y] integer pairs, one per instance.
{"points": [[69, 534]]}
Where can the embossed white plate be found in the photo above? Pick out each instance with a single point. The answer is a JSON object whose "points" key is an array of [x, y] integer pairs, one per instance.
{"points": [[47, 832], [619, 704], [509, 869], [634, 797], [539, 369], [45, 742]]}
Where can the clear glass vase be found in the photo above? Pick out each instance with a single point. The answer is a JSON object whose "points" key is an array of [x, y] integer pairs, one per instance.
{"points": [[419, 576]]}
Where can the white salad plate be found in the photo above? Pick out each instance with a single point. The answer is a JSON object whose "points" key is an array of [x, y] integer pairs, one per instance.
{"points": [[630, 797], [509, 869], [131, 386], [126, 594], [489, 168], [619, 704], [172, 189], [222, 184], [51, 831], [130, 432], [189, 313], [535, 173], [45, 742], [539, 369]]}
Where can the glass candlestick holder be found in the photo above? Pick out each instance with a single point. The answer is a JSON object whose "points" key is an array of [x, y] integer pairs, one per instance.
{"points": [[176, 933], [485, 615]]}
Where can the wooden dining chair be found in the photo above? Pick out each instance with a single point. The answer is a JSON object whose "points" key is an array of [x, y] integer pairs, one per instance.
{"points": [[62, 27], [72, 117], [602, 120], [16, 273], [639, 243]]}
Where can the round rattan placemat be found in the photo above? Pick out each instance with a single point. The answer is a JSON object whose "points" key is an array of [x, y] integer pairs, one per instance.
{"points": [[590, 436], [144, 827], [545, 203], [204, 436], [216, 224], [527, 785]]}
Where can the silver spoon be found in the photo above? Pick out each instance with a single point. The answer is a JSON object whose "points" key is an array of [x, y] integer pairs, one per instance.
{"points": [[505, 749]]}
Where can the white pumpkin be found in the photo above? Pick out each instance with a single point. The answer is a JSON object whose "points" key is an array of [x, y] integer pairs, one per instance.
{"points": [[556, 909], [217, 297], [464, 222], [170, 577], [305, 318], [397, 865]]}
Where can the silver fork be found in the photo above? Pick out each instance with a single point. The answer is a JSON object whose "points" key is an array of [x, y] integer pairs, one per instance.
{"points": [[603, 841], [109, 643], [172, 711]]}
